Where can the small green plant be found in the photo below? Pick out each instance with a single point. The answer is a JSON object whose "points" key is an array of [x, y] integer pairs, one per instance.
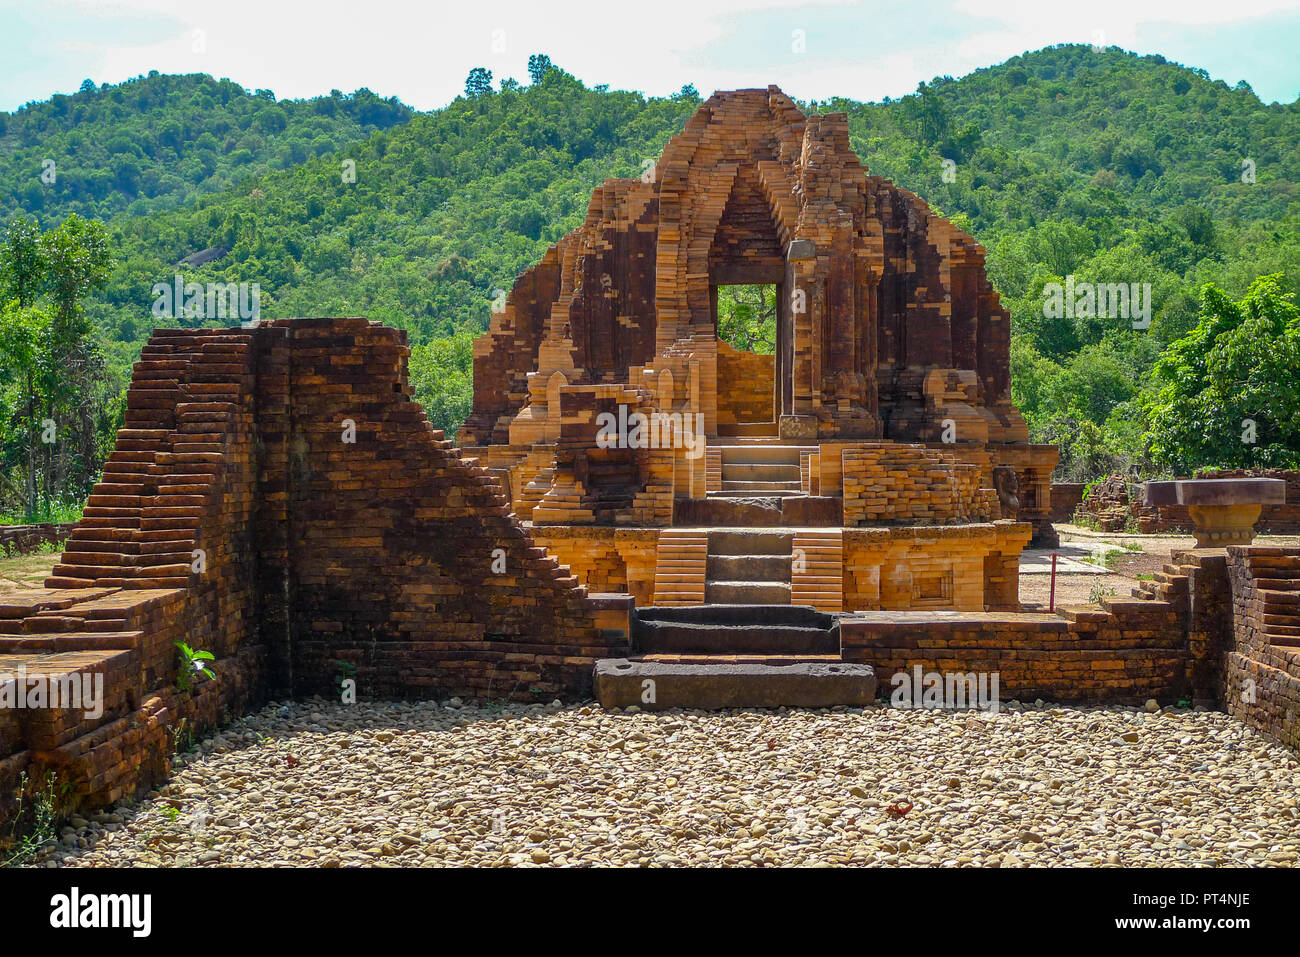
{"points": [[40, 815], [1099, 591], [182, 733], [192, 662], [171, 812], [1084, 520], [346, 671], [1132, 546]]}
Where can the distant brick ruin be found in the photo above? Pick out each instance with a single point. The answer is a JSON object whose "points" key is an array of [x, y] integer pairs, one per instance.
{"points": [[1111, 508], [852, 506]]}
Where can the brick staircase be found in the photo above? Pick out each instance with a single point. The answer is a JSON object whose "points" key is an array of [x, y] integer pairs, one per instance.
{"points": [[1277, 584], [1169, 584], [748, 566], [140, 525], [723, 631], [734, 656], [759, 469], [817, 569], [680, 567]]}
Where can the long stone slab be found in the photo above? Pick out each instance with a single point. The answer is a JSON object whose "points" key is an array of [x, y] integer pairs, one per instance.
{"points": [[656, 686], [1231, 491]]}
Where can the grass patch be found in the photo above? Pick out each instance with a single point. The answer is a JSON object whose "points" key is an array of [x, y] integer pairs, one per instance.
{"points": [[58, 511], [28, 571]]}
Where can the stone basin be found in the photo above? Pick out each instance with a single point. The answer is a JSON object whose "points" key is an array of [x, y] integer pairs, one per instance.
{"points": [[1224, 510]]}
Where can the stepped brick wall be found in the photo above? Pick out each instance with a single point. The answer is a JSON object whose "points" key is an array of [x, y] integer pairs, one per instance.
{"points": [[605, 558], [1262, 670], [25, 539], [161, 555], [1196, 581], [277, 498]]}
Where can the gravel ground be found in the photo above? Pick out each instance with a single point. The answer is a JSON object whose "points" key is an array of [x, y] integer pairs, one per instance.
{"points": [[427, 784]]}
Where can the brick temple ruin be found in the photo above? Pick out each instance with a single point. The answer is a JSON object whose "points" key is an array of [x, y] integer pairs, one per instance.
{"points": [[851, 506], [886, 406]]}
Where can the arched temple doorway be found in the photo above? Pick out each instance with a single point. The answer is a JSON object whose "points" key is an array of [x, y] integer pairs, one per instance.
{"points": [[747, 302]]}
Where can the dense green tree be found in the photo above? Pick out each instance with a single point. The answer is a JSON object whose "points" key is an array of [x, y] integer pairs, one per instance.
{"points": [[1071, 164], [24, 343], [539, 64], [55, 372], [479, 82], [442, 378], [122, 147], [1225, 394], [22, 262], [747, 317]]}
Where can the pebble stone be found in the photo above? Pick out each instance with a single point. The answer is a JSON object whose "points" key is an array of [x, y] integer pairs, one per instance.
{"points": [[429, 784]]}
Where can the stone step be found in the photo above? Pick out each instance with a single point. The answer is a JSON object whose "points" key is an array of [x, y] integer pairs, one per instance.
{"points": [[656, 686], [747, 593], [1278, 584], [760, 488], [1270, 597], [740, 659], [755, 429], [755, 495], [742, 568], [1270, 619], [750, 541], [738, 615], [760, 472], [727, 639], [759, 454]]}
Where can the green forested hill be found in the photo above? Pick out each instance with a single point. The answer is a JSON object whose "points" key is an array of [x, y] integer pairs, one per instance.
{"points": [[1066, 161], [443, 210], [157, 142]]}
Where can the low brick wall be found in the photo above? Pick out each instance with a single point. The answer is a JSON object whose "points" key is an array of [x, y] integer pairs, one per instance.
{"points": [[1128, 652], [745, 386], [1066, 499], [961, 568], [25, 539]]}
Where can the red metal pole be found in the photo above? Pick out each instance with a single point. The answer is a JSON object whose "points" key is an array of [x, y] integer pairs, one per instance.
{"points": [[1051, 601]]}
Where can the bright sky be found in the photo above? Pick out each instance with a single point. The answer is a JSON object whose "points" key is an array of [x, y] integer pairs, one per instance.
{"points": [[422, 51]]}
